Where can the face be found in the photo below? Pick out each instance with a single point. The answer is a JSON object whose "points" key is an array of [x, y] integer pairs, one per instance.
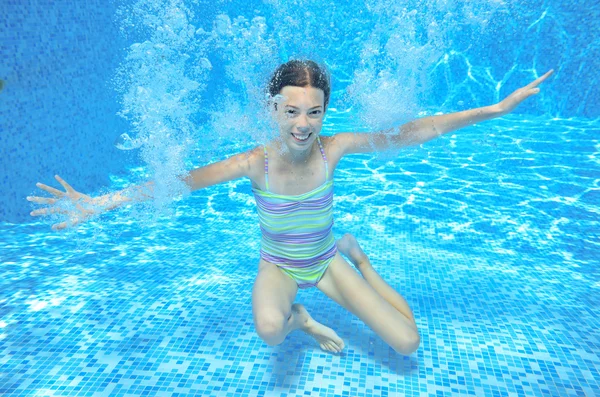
{"points": [[300, 114]]}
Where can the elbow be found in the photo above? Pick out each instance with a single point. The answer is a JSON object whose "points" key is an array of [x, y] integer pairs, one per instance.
{"points": [[417, 133]]}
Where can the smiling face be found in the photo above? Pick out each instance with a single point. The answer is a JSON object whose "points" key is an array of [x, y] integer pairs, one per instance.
{"points": [[300, 116]]}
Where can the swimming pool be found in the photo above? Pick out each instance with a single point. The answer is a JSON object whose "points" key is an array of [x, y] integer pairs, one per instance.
{"points": [[491, 232]]}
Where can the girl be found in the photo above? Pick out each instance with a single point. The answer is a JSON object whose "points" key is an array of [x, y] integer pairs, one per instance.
{"points": [[292, 182]]}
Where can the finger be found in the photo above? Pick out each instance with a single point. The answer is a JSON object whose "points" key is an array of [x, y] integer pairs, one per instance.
{"points": [[40, 211], [65, 184], [540, 80], [49, 189], [85, 209], [42, 200], [59, 226], [47, 211]]}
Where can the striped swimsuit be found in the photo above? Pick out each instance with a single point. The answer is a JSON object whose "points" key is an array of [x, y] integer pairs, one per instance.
{"points": [[297, 230]]}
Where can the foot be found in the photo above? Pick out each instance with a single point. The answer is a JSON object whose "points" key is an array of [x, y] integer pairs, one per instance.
{"points": [[348, 246], [325, 336]]}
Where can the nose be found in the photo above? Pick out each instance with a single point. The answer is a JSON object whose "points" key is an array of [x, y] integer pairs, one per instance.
{"points": [[303, 125]]}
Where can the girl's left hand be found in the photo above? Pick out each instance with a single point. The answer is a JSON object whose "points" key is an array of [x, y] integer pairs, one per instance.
{"points": [[513, 100]]}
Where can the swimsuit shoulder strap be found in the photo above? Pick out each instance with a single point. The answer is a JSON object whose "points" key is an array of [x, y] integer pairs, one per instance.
{"points": [[324, 159], [266, 169], [267, 163]]}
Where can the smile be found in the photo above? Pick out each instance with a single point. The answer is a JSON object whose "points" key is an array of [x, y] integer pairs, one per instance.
{"points": [[301, 138]]}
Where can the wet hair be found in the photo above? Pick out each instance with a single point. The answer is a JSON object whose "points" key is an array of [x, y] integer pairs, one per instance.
{"points": [[299, 73]]}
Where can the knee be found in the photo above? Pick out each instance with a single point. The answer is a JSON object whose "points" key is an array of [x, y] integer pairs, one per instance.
{"points": [[408, 345], [270, 327]]}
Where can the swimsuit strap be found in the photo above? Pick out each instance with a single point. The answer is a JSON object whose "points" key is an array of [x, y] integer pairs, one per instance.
{"points": [[324, 158], [266, 169], [267, 163]]}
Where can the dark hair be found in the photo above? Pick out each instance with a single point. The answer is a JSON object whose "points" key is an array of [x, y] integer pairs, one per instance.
{"points": [[300, 74]]}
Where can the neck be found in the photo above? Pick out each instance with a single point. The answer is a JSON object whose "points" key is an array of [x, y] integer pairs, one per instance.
{"points": [[293, 157]]}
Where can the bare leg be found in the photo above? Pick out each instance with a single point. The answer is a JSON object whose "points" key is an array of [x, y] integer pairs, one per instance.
{"points": [[348, 246], [275, 315], [346, 287]]}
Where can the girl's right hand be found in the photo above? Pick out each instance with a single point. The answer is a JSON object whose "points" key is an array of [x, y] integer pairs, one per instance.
{"points": [[81, 205]]}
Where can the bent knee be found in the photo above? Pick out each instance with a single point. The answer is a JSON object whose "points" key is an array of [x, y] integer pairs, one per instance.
{"points": [[270, 327], [408, 345]]}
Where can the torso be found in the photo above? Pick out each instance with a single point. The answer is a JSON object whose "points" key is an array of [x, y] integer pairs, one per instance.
{"points": [[295, 212], [287, 179]]}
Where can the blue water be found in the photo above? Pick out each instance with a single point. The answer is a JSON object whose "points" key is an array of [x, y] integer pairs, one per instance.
{"points": [[491, 233]]}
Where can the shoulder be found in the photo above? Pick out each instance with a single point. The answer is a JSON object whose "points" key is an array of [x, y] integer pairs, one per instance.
{"points": [[336, 145], [360, 142], [240, 165], [253, 162], [244, 163]]}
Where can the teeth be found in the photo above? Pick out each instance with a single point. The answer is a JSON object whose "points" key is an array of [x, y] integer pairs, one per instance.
{"points": [[301, 139]]}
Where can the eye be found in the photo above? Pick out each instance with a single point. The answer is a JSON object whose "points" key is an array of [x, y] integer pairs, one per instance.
{"points": [[316, 112], [290, 112]]}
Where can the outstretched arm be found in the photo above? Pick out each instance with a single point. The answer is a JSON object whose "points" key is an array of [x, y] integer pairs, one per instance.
{"points": [[79, 207], [425, 129], [234, 167]]}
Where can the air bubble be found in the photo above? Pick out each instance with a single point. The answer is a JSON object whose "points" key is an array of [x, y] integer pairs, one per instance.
{"points": [[125, 142], [205, 63]]}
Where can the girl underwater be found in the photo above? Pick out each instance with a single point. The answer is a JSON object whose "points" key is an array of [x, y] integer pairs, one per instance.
{"points": [[292, 182]]}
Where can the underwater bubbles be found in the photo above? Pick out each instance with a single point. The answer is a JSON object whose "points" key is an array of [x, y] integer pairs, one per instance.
{"points": [[161, 81], [125, 142], [403, 46], [249, 52]]}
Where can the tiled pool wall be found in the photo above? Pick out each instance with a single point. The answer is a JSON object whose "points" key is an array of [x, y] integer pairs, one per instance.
{"points": [[58, 109]]}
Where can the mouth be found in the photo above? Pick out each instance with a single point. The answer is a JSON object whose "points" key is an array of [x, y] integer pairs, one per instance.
{"points": [[301, 138]]}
